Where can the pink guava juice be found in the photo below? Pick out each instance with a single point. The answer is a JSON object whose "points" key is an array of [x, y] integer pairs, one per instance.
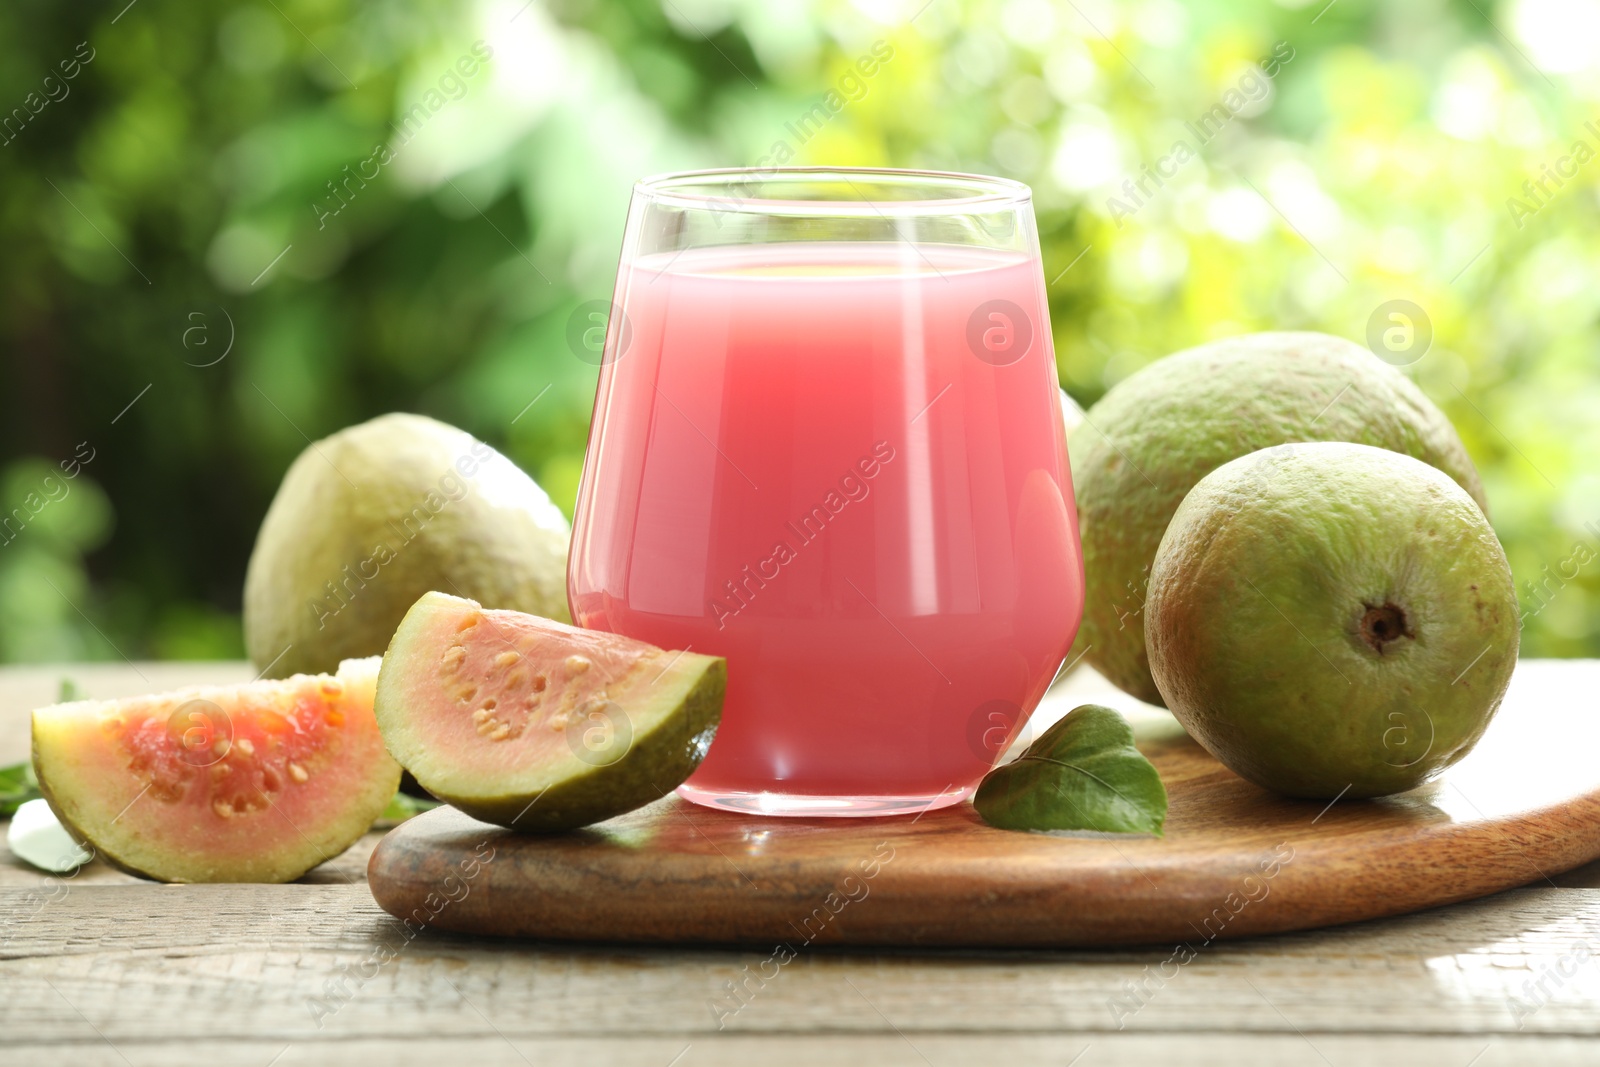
{"points": [[842, 467]]}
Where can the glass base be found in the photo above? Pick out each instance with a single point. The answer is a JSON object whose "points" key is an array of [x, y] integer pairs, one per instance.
{"points": [[815, 806]]}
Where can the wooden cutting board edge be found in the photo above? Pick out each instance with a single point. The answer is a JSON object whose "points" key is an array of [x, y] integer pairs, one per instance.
{"points": [[1330, 880], [1516, 811]]}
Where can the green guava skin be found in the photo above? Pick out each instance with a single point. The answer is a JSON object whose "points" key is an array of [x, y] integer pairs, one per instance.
{"points": [[1332, 619], [1159, 431], [502, 543]]}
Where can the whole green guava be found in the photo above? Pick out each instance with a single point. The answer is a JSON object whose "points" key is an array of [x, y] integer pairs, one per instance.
{"points": [[1159, 431], [1331, 619], [369, 519]]}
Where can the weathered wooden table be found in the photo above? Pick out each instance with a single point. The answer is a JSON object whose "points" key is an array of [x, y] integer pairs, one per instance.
{"points": [[103, 968]]}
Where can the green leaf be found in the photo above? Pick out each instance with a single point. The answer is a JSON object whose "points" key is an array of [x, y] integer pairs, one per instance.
{"points": [[1083, 773], [68, 692], [17, 787], [403, 807]]}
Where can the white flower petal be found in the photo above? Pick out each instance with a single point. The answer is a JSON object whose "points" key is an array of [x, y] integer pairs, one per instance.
{"points": [[36, 837]]}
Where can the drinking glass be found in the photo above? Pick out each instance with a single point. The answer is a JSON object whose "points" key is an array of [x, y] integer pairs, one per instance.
{"points": [[828, 445]]}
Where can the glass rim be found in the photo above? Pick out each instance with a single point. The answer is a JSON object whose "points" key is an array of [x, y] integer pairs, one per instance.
{"points": [[973, 193]]}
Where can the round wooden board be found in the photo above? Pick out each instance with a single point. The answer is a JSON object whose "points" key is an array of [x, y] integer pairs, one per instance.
{"points": [[1235, 860]]}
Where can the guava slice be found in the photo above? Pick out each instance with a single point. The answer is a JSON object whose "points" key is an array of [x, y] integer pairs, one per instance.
{"points": [[540, 726], [245, 783]]}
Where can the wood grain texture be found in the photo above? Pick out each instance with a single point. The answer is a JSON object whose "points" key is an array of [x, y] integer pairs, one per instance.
{"points": [[1235, 862], [839, 1050], [162, 968]]}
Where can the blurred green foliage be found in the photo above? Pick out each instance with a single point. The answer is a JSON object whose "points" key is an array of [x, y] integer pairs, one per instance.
{"points": [[258, 222]]}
